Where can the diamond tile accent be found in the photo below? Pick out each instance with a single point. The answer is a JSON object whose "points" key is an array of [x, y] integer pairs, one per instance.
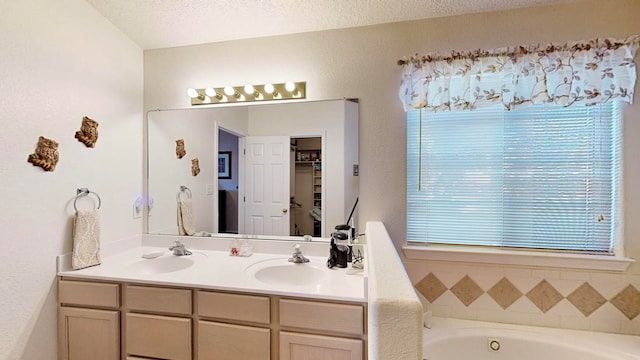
{"points": [[431, 287], [586, 299], [504, 293], [544, 296], [466, 290], [628, 302]]}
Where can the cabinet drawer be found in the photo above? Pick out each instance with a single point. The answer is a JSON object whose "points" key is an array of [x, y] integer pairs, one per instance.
{"points": [[231, 342], [88, 293], [172, 301], [234, 307], [337, 318], [158, 336], [307, 346]]}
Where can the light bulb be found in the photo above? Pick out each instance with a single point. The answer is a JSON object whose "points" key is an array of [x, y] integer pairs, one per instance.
{"points": [[248, 89], [269, 89], [228, 90], [192, 93], [210, 92], [290, 86]]}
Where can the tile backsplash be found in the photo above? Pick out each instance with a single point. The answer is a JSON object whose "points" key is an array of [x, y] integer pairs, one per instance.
{"points": [[582, 300]]}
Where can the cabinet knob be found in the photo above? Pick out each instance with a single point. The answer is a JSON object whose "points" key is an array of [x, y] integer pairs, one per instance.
{"points": [[284, 210]]}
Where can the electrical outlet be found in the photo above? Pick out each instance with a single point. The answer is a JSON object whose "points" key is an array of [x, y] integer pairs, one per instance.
{"points": [[137, 208], [137, 212]]}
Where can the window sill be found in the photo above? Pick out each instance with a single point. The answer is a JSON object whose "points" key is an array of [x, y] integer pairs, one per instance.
{"points": [[517, 257]]}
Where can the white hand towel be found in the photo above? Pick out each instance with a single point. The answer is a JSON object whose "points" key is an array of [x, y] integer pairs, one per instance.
{"points": [[186, 223], [86, 239]]}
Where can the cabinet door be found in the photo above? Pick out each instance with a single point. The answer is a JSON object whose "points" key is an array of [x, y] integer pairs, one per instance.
{"points": [[88, 334], [295, 346], [232, 342]]}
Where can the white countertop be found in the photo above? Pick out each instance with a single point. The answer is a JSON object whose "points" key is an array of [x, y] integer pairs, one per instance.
{"points": [[217, 270]]}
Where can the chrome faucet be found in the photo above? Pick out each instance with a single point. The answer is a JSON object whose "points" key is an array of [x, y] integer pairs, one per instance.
{"points": [[179, 249], [297, 257]]}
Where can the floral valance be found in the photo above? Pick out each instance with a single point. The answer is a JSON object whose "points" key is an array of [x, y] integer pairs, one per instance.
{"points": [[586, 73]]}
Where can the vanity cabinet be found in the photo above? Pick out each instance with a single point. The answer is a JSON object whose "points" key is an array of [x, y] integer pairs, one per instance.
{"points": [[248, 336], [158, 322], [230, 342], [88, 333], [341, 324], [295, 346]]}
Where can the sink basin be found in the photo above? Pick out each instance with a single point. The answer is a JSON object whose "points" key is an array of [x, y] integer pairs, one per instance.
{"points": [[165, 264], [281, 272]]}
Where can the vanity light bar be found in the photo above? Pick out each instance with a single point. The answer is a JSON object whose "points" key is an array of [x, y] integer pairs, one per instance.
{"points": [[248, 93]]}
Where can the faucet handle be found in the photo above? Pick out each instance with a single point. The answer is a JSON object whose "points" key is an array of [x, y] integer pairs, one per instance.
{"points": [[297, 256], [297, 251], [179, 249]]}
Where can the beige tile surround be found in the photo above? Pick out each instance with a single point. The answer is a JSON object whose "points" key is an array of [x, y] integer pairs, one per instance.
{"points": [[582, 300]]}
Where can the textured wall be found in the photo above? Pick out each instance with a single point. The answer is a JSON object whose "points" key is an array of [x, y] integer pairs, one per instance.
{"points": [[60, 61]]}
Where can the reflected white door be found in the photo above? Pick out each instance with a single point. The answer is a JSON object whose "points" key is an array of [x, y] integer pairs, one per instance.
{"points": [[267, 185]]}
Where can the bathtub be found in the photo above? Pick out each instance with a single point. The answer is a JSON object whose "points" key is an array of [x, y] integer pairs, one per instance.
{"points": [[452, 339]]}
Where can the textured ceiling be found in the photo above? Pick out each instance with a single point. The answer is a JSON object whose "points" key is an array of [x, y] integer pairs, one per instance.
{"points": [[167, 23]]}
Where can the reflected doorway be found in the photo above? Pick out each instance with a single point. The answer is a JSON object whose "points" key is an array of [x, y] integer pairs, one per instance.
{"points": [[304, 194], [228, 180], [306, 186]]}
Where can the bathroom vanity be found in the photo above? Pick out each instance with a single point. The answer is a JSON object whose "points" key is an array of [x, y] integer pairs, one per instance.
{"points": [[211, 306]]}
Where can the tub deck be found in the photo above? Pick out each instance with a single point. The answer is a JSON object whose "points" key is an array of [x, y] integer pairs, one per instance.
{"points": [[461, 339]]}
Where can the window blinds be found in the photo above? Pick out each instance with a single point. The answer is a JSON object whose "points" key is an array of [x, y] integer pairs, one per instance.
{"points": [[539, 177]]}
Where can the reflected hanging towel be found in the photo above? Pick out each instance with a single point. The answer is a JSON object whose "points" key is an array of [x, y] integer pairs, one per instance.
{"points": [[186, 223], [86, 239]]}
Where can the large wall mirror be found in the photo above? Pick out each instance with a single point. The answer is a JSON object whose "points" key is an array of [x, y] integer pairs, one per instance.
{"points": [[269, 170]]}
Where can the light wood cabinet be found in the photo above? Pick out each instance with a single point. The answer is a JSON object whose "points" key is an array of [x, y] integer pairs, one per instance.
{"points": [[158, 322], [221, 341], [88, 293], [327, 317], [235, 307], [88, 334], [156, 336], [85, 333], [158, 300], [101, 320], [339, 330], [295, 346]]}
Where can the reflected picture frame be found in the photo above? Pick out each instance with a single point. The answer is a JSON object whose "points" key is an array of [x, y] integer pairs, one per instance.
{"points": [[224, 165]]}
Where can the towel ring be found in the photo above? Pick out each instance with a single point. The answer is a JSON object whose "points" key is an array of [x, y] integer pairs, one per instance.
{"points": [[84, 192], [184, 189]]}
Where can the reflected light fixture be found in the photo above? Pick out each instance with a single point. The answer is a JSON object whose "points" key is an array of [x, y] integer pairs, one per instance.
{"points": [[271, 90], [247, 93], [250, 90], [212, 93], [229, 91], [194, 94], [291, 87]]}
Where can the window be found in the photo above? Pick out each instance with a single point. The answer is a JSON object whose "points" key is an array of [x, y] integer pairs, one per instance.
{"points": [[540, 177]]}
